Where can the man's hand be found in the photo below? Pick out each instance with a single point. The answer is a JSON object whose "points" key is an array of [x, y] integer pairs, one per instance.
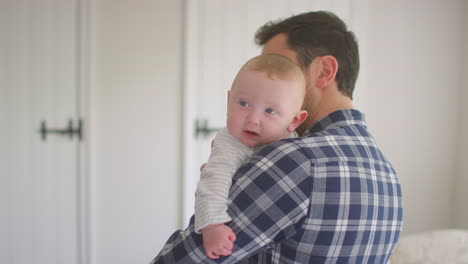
{"points": [[218, 240]]}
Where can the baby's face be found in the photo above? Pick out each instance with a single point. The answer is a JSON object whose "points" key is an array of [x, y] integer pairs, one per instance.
{"points": [[261, 110]]}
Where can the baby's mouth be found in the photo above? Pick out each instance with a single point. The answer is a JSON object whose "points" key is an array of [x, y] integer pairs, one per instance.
{"points": [[251, 133]]}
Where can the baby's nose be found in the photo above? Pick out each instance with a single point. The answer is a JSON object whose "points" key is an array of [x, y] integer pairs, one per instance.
{"points": [[253, 119]]}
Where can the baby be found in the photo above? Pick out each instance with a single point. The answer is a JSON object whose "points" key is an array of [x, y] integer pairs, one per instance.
{"points": [[264, 105]]}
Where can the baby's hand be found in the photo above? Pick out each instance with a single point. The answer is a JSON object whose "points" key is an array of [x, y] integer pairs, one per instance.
{"points": [[218, 240]]}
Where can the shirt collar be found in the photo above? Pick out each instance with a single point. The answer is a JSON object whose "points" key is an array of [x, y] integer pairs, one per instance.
{"points": [[338, 118]]}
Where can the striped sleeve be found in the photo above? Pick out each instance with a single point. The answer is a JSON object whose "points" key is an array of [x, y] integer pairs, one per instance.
{"points": [[227, 155]]}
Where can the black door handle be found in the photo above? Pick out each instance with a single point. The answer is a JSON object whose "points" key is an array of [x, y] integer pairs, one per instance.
{"points": [[202, 128], [70, 131]]}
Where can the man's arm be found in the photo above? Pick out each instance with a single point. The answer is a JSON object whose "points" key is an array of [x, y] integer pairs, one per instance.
{"points": [[269, 195]]}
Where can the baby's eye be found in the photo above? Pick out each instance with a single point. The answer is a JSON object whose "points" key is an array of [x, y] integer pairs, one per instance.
{"points": [[270, 111], [244, 103]]}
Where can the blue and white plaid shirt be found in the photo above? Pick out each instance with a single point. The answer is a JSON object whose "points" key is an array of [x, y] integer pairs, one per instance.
{"points": [[327, 197]]}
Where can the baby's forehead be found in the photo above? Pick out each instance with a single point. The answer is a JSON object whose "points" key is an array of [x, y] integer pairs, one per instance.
{"points": [[273, 74], [297, 81], [270, 75], [254, 82]]}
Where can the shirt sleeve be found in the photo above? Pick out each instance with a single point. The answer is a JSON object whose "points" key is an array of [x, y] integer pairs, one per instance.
{"points": [[269, 196], [227, 155]]}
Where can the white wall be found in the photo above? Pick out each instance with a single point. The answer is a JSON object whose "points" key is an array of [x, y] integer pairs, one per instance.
{"points": [[412, 101], [136, 128], [461, 208]]}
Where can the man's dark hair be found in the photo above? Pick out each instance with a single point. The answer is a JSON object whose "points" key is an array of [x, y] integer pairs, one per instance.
{"points": [[316, 34]]}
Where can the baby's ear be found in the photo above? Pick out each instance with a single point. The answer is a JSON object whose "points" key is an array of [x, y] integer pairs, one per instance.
{"points": [[297, 120]]}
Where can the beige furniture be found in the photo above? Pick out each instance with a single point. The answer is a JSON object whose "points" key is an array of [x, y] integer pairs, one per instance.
{"points": [[434, 247]]}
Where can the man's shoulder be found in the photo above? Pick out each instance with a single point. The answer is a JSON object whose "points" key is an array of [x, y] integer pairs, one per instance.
{"points": [[283, 146], [336, 143], [298, 144], [282, 152], [276, 162]]}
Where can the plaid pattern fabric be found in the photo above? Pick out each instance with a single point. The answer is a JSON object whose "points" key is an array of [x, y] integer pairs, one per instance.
{"points": [[327, 197]]}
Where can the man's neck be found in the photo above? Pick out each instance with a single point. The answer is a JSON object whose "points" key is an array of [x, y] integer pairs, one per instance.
{"points": [[326, 106], [329, 106]]}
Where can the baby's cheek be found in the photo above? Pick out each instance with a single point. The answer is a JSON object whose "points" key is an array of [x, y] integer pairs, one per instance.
{"points": [[230, 124]]}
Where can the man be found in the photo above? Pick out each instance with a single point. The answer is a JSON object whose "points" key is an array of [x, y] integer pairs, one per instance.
{"points": [[329, 196]]}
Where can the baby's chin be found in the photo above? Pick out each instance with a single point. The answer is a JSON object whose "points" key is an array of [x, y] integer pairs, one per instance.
{"points": [[251, 144]]}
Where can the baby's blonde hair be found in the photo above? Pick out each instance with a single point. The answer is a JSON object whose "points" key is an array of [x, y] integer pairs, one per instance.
{"points": [[275, 66]]}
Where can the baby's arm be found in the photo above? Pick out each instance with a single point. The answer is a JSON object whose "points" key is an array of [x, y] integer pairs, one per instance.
{"points": [[218, 240], [227, 155]]}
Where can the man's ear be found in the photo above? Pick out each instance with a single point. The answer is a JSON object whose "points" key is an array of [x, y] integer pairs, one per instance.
{"points": [[328, 69], [297, 120]]}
